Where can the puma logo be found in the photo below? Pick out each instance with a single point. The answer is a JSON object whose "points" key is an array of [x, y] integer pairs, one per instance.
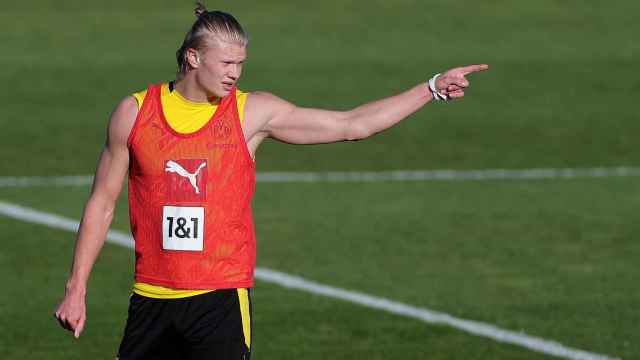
{"points": [[174, 167]]}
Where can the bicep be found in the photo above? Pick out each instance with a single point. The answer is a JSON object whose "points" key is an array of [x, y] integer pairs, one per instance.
{"points": [[289, 123], [110, 174], [310, 126], [114, 159]]}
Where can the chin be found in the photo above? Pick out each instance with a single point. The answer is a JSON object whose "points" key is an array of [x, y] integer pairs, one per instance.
{"points": [[221, 92]]}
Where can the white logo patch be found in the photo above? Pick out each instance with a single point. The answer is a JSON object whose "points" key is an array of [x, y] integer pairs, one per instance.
{"points": [[174, 167], [183, 228]]}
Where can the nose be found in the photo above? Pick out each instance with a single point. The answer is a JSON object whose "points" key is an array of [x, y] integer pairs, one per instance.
{"points": [[235, 71]]}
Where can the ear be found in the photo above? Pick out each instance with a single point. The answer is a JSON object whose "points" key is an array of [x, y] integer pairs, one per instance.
{"points": [[193, 58]]}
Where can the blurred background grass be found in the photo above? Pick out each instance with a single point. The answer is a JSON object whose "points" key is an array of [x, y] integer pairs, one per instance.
{"points": [[560, 92]]}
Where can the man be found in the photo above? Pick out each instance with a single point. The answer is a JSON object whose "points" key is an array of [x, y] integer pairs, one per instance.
{"points": [[188, 147]]}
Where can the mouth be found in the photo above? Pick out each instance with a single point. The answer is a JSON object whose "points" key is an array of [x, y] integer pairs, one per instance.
{"points": [[227, 85]]}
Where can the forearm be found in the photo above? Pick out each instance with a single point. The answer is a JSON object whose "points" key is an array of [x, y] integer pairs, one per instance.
{"points": [[93, 229], [376, 116]]}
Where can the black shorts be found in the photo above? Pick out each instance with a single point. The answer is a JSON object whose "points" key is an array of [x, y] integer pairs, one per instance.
{"points": [[214, 325]]}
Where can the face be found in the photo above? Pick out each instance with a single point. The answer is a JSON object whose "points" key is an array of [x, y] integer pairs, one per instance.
{"points": [[219, 67]]}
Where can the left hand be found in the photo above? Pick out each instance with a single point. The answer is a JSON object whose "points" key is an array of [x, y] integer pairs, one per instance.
{"points": [[453, 82]]}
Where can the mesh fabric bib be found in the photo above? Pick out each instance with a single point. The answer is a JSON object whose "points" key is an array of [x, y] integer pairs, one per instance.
{"points": [[190, 200]]}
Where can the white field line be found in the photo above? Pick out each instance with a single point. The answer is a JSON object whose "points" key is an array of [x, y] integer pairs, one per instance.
{"points": [[370, 176], [294, 282], [32, 181]]}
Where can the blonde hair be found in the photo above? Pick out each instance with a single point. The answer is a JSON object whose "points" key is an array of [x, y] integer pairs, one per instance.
{"points": [[223, 26]]}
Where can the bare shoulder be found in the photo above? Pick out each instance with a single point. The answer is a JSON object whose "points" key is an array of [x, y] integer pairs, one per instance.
{"points": [[262, 107], [125, 111], [263, 101], [264, 97], [122, 119]]}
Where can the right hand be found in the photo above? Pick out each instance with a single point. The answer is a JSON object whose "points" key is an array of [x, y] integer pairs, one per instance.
{"points": [[453, 82], [71, 313]]}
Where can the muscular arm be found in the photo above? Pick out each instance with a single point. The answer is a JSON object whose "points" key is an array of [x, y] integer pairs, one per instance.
{"points": [[98, 213], [286, 122]]}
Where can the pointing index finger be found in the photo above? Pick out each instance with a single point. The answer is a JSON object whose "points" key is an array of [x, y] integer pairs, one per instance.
{"points": [[473, 68]]}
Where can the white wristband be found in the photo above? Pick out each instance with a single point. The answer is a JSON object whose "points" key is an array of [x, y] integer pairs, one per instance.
{"points": [[436, 94]]}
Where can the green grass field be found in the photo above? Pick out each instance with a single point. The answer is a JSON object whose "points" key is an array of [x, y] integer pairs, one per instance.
{"points": [[552, 258]]}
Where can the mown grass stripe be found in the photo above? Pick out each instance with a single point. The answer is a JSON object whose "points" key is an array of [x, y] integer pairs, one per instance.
{"points": [[371, 176], [294, 282]]}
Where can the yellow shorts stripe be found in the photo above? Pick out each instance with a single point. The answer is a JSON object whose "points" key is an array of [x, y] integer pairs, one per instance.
{"points": [[243, 296]]}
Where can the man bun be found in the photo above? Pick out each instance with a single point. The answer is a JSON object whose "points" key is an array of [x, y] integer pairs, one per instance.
{"points": [[200, 9]]}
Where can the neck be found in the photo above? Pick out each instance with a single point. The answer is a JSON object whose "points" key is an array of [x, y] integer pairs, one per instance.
{"points": [[190, 90]]}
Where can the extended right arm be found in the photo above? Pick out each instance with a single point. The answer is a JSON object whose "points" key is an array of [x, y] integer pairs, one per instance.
{"points": [[279, 119], [98, 213]]}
